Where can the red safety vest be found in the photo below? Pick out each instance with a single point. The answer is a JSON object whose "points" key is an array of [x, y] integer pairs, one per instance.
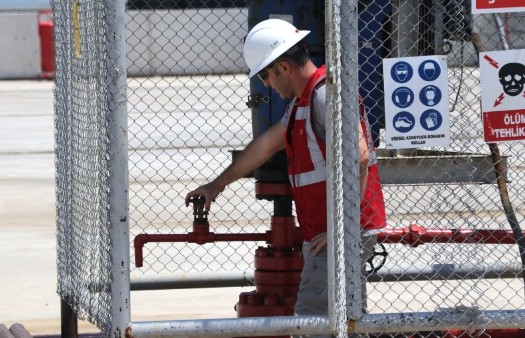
{"points": [[307, 169]]}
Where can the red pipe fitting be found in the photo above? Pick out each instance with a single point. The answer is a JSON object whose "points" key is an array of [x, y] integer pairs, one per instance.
{"points": [[415, 235], [253, 304], [284, 233], [278, 260], [198, 237]]}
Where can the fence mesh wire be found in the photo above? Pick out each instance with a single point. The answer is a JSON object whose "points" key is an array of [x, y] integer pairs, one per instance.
{"points": [[82, 160], [183, 129], [447, 275], [187, 93]]}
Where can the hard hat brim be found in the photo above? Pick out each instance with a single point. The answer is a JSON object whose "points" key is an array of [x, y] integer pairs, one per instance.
{"points": [[277, 52]]}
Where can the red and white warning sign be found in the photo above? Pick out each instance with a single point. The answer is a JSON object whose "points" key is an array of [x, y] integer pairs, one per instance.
{"points": [[497, 6], [503, 95]]}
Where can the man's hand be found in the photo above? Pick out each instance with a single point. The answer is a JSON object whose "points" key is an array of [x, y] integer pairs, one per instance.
{"points": [[209, 191], [318, 243]]}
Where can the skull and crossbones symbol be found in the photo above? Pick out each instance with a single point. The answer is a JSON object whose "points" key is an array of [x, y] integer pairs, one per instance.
{"points": [[512, 78]]}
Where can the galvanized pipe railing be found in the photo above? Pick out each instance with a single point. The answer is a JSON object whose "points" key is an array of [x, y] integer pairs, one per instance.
{"points": [[450, 319], [395, 274]]}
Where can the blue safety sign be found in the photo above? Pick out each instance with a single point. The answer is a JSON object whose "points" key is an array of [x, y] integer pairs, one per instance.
{"points": [[416, 102]]}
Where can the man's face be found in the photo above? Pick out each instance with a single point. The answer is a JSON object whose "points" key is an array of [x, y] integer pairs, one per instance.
{"points": [[277, 80]]}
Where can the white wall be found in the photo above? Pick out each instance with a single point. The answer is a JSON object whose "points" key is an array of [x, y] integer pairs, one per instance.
{"points": [[158, 43], [20, 45], [24, 5], [192, 41], [170, 43]]}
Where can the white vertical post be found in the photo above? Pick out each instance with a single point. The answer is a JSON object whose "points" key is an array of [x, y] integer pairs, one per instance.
{"points": [[350, 140], [334, 179], [119, 185]]}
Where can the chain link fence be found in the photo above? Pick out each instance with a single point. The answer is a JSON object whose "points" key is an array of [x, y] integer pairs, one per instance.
{"points": [[82, 160], [449, 245], [184, 127]]}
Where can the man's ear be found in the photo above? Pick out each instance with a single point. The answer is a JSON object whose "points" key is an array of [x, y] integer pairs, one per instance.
{"points": [[285, 66]]}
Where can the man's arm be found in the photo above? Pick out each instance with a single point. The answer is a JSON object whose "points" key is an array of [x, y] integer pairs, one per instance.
{"points": [[260, 150]]}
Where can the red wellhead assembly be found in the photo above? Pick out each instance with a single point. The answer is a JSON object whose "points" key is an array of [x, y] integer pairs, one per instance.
{"points": [[278, 265]]}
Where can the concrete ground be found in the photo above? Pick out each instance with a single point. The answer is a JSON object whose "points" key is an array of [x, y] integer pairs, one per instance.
{"points": [[27, 226]]}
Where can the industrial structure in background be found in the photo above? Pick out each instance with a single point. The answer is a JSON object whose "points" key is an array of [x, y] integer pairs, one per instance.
{"points": [[27, 40], [29, 45], [152, 99]]}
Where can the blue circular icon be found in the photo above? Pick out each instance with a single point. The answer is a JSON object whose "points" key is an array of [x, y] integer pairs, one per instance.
{"points": [[430, 95], [401, 72], [402, 97], [431, 120], [404, 122], [429, 70]]}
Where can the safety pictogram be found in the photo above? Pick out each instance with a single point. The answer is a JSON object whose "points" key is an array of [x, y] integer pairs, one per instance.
{"points": [[416, 104], [503, 95]]}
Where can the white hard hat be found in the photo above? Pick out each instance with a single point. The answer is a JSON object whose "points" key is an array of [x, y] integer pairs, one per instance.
{"points": [[268, 40]]}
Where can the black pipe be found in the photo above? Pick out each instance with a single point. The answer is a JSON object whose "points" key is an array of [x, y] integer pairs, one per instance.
{"points": [[68, 321], [505, 201], [408, 273]]}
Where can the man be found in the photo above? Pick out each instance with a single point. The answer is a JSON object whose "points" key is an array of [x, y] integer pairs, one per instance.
{"points": [[275, 52]]}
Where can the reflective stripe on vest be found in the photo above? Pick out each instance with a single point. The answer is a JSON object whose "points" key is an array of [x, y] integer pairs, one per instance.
{"points": [[306, 162], [316, 155], [307, 169]]}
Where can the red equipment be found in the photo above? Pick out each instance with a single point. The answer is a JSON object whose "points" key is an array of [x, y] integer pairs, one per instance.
{"points": [[47, 52], [415, 235], [278, 266]]}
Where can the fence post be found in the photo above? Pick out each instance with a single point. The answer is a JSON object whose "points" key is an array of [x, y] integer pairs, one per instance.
{"points": [[119, 182]]}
